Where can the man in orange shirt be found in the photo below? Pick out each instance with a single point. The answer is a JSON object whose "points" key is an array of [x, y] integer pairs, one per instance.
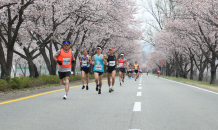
{"points": [[64, 58]]}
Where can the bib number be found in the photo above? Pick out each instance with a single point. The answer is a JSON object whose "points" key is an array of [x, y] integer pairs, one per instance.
{"points": [[84, 63], [66, 61], [111, 63], [130, 69], [120, 64], [98, 67], [136, 67]]}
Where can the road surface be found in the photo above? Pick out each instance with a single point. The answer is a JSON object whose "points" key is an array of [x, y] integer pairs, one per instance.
{"points": [[146, 104]]}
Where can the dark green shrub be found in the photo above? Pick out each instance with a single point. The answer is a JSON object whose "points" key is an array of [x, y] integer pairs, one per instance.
{"points": [[3, 85], [17, 83], [27, 81]]}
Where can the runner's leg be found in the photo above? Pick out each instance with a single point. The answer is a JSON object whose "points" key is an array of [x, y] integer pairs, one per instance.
{"points": [[67, 84], [109, 79], [83, 75], [113, 77]]}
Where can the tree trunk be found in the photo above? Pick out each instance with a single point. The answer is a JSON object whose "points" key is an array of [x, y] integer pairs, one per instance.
{"points": [[191, 70], [201, 75], [213, 69]]}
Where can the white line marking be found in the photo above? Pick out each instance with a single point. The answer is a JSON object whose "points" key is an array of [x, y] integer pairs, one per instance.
{"points": [[192, 86], [140, 84], [137, 106], [134, 129], [139, 94], [140, 88]]}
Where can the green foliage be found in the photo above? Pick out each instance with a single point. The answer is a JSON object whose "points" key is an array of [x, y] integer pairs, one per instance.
{"points": [[42, 80], [3, 85], [16, 83]]}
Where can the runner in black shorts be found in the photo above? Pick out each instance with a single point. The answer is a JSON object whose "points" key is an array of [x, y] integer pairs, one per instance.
{"points": [[111, 60], [122, 63], [64, 58], [85, 60]]}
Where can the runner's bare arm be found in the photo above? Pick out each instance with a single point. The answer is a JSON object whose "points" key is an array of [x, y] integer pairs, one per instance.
{"points": [[80, 59], [126, 63], [104, 59], [55, 57], [93, 63], [90, 59]]}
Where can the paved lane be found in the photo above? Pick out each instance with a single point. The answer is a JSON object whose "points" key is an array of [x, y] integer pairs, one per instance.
{"points": [[159, 105]]}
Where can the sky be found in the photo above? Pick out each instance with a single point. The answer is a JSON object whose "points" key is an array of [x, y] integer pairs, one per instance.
{"points": [[141, 15]]}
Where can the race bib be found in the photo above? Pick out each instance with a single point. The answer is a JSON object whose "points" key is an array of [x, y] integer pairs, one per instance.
{"points": [[136, 67], [84, 63], [98, 67], [130, 69], [120, 64], [111, 63], [66, 61]]}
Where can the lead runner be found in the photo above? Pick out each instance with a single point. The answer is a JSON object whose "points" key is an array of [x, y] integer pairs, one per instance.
{"points": [[64, 58]]}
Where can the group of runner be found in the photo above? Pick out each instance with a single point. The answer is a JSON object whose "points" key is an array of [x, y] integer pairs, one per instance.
{"points": [[65, 58]]}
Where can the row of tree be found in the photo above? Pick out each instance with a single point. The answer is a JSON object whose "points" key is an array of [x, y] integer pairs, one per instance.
{"points": [[188, 38], [32, 31]]}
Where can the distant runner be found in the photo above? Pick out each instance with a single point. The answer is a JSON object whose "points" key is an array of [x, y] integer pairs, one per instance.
{"points": [[85, 60], [130, 71], [99, 61], [147, 71], [122, 62], [136, 67], [64, 58], [158, 72]]}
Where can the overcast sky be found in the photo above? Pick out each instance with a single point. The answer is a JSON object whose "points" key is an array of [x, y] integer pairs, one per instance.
{"points": [[142, 14]]}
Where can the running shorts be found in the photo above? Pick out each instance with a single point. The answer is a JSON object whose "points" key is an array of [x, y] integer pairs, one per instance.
{"points": [[99, 73], [86, 70], [64, 74], [110, 69], [123, 70]]}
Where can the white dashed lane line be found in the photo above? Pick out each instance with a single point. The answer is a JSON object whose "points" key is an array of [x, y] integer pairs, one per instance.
{"points": [[137, 106], [139, 94]]}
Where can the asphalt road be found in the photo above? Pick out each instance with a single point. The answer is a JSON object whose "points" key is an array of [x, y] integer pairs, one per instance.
{"points": [[150, 103]]}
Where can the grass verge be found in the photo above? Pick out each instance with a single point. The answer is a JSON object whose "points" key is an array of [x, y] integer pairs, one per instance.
{"points": [[200, 84]]}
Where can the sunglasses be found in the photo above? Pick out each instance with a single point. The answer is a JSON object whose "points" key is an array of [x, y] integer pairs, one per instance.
{"points": [[66, 44]]}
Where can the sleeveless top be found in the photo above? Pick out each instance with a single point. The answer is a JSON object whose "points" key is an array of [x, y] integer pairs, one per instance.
{"points": [[130, 69], [85, 64], [111, 61], [99, 64], [121, 63], [65, 58]]}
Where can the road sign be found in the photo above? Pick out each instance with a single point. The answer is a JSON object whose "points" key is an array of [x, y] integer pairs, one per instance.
{"points": [[161, 63]]}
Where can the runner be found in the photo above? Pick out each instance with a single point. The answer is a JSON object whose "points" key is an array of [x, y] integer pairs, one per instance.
{"points": [[64, 58], [85, 60], [130, 71], [147, 71], [111, 60], [122, 62], [140, 72], [99, 61], [158, 72], [136, 67]]}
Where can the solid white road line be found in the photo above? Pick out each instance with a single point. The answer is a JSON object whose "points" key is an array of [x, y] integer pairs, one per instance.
{"points": [[137, 106], [192, 86], [140, 84], [140, 88], [134, 129], [139, 94]]}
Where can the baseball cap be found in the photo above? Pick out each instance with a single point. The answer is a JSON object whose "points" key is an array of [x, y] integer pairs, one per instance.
{"points": [[111, 49]]}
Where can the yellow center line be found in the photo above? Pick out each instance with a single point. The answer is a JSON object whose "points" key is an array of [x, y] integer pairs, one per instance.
{"points": [[23, 98]]}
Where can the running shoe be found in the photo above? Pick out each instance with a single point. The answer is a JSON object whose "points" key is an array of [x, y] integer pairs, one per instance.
{"points": [[65, 97], [96, 87], [99, 91], [135, 79], [83, 87], [87, 87], [110, 90], [120, 84]]}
